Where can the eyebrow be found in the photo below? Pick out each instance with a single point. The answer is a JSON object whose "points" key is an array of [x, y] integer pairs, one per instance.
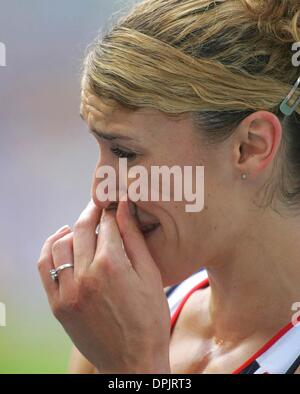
{"points": [[108, 136]]}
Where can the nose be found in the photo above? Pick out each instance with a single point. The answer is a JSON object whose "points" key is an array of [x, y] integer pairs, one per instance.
{"points": [[102, 204], [100, 201], [104, 196]]}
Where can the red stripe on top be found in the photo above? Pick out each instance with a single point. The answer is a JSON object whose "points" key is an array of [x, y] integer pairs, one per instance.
{"points": [[262, 350]]}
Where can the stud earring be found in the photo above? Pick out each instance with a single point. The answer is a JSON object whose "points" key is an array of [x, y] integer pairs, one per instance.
{"points": [[244, 177]]}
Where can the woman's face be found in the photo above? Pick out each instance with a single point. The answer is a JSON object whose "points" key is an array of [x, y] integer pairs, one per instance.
{"points": [[180, 242]]}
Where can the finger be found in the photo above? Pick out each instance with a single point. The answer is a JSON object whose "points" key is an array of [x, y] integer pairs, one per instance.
{"points": [[109, 243], [62, 253], [134, 241], [45, 263], [85, 237]]}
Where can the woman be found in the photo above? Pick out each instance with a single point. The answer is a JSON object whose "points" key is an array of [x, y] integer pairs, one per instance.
{"points": [[189, 83]]}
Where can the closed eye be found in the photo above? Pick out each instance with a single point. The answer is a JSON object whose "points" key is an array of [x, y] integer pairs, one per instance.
{"points": [[117, 151], [121, 153]]}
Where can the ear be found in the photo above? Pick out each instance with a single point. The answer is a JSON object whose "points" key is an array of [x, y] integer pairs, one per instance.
{"points": [[257, 141]]}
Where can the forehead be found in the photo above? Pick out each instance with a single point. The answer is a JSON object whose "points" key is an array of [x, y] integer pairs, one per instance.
{"points": [[108, 115]]}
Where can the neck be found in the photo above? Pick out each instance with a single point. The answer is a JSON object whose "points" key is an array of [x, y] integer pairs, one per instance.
{"points": [[255, 286]]}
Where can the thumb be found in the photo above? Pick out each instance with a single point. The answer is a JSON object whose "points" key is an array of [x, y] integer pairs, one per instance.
{"points": [[134, 242]]}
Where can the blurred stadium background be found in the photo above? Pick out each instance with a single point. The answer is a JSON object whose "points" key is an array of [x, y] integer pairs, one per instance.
{"points": [[46, 162]]}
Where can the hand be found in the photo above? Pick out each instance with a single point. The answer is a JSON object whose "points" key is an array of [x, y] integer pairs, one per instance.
{"points": [[112, 305]]}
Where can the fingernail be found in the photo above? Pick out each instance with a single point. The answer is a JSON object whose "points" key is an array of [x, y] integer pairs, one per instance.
{"points": [[62, 229]]}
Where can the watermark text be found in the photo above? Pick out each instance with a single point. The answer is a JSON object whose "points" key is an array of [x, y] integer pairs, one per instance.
{"points": [[296, 56], [2, 54], [160, 183], [2, 315]]}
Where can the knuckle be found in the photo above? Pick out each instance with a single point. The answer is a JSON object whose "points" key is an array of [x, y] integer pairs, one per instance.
{"points": [[57, 310], [108, 266], [40, 265], [58, 245], [79, 226], [105, 260], [111, 261], [82, 224], [87, 284], [63, 308], [49, 240], [72, 305]]}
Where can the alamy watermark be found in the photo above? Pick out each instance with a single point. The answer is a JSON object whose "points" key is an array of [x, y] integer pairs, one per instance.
{"points": [[2, 54], [296, 56], [2, 315], [161, 183]]}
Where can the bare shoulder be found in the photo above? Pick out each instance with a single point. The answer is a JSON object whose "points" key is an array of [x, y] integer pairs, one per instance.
{"points": [[297, 371], [194, 313]]}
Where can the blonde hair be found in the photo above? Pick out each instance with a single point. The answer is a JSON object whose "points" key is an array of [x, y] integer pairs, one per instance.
{"points": [[219, 60]]}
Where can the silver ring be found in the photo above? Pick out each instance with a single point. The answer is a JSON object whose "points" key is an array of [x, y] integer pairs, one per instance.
{"points": [[54, 272]]}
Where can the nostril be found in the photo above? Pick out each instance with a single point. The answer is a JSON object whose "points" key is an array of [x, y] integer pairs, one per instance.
{"points": [[100, 204], [112, 206]]}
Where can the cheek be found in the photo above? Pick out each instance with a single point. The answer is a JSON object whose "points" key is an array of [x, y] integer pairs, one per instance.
{"points": [[171, 217], [185, 232]]}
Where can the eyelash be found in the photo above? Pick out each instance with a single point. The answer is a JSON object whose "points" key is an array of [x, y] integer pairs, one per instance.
{"points": [[120, 153]]}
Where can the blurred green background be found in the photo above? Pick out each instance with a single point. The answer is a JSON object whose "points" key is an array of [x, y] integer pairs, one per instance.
{"points": [[31, 346], [46, 162]]}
